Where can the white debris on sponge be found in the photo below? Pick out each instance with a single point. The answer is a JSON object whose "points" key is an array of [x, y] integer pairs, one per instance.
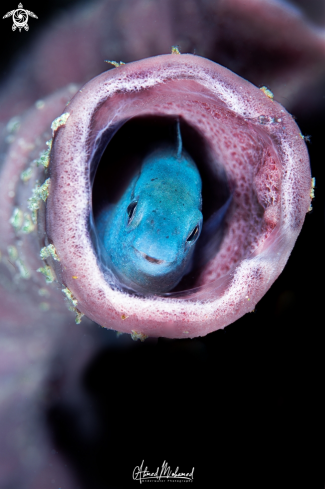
{"points": [[59, 121]]}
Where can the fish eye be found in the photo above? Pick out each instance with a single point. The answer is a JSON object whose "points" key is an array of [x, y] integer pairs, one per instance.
{"points": [[131, 210], [194, 234]]}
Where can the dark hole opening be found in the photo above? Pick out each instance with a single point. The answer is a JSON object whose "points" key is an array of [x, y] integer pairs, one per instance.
{"points": [[121, 159]]}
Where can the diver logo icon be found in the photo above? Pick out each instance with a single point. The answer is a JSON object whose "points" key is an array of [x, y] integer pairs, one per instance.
{"points": [[20, 18]]}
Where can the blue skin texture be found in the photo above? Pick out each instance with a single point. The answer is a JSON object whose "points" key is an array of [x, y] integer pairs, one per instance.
{"points": [[148, 237]]}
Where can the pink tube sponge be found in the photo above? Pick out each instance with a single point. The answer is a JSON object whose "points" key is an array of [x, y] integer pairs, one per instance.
{"points": [[251, 139]]}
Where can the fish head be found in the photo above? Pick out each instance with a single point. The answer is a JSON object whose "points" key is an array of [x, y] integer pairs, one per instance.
{"points": [[157, 223]]}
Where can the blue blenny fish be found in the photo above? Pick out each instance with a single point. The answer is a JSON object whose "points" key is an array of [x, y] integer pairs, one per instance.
{"points": [[150, 235]]}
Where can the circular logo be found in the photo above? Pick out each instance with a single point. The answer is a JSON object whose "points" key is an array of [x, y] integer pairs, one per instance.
{"points": [[20, 18]]}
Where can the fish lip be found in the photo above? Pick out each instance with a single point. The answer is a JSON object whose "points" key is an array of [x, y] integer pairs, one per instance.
{"points": [[150, 258]]}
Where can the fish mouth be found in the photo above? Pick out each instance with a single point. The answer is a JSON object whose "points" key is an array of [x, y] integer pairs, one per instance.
{"points": [[150, 258]]}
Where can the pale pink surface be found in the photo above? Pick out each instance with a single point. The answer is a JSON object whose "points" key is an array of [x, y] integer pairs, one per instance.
{"points": [[25, 145], [265, 41], [249, 133], [33, 316]]}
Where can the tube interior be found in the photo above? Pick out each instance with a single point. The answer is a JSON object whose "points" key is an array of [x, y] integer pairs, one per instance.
{"points": [[120, 154]]}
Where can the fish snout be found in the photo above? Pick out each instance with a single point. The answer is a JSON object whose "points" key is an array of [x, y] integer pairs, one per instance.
{"points": [[158, 252]]}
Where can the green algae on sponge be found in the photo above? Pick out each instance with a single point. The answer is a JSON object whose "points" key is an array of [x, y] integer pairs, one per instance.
{"points": [[44, 157], [17, 219], [48, 273], [39, 193], [49, 251]]}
